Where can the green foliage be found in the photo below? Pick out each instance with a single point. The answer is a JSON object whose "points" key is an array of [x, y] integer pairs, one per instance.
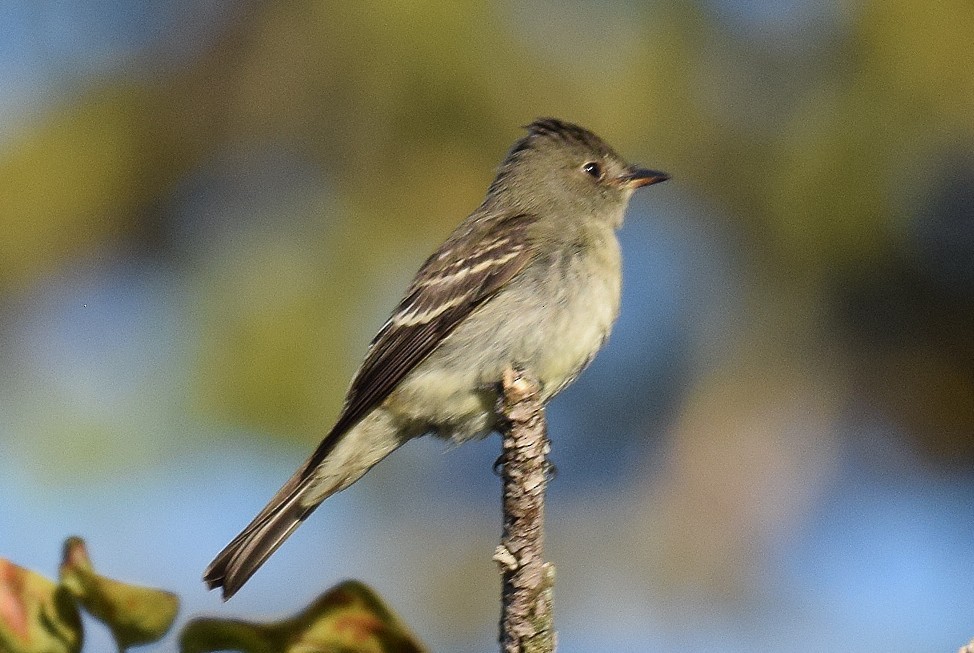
{"points": [[349, 618], [136, 615], [38, 615]]}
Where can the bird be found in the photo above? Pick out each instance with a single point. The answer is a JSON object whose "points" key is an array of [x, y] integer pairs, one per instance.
{"points": [[530, 280]]}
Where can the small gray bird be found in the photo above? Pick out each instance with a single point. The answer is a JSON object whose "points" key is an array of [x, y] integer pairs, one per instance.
{"points": [[531, 279]]}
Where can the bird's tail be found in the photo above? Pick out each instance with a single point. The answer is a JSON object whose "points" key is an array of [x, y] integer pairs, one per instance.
{"points": [[250, 549], [340, 460]]}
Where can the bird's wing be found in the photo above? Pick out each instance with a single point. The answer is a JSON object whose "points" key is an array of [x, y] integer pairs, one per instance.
{"points": [[462, 274]]}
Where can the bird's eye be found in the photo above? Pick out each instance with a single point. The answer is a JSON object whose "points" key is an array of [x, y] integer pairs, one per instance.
{"points": [[594, 169]]}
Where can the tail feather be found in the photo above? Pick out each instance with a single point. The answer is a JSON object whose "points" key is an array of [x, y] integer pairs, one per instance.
{"points": [[340, 460], [250, 549]]}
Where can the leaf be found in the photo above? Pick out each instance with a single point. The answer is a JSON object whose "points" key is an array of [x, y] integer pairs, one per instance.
{"points": [[135, 615], [349, 618], [36, 615]]}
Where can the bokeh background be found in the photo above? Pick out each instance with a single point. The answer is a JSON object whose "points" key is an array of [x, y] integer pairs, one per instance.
{"points": [[208, 207]]}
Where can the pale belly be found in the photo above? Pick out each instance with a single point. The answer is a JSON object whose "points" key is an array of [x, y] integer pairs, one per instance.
{"points": [[454, 392]]}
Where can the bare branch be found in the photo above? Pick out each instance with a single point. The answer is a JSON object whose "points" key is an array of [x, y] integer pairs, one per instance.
{"points": [[527, 625]]}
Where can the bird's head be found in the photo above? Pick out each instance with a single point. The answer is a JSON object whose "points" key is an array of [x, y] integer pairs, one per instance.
{"points": [[562, 168]]}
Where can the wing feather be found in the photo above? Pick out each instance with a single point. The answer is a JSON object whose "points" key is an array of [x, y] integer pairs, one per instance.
{"points": [[467, 270]]}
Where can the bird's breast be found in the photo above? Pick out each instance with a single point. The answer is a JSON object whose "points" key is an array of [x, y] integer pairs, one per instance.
{"points": [[550, 320], [583, 304]]}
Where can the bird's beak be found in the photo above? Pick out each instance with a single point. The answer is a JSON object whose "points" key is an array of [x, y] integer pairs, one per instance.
{"points": [[639, 177]]}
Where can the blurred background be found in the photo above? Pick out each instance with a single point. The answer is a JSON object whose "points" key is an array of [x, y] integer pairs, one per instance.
{"points": [[207, 208]]}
